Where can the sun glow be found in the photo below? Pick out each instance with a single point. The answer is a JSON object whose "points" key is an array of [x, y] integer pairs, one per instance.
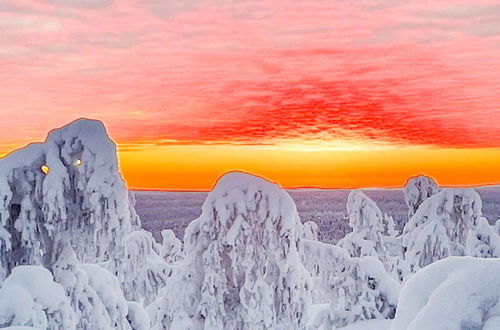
{"points": [[196, 167]]}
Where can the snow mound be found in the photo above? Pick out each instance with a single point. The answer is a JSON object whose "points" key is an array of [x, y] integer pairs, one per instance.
{"points": [[440, 227], [454, 293], [417, 190], [242, 268], [30, 297]]}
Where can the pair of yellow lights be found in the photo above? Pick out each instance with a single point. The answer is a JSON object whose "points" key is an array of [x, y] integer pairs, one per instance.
{"points": [[45, 169]]}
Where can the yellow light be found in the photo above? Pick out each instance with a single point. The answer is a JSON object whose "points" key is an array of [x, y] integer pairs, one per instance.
{"points": [[45, 169], [78, 162]]}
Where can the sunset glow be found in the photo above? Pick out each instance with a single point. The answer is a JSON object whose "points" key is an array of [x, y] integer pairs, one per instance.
{"points": [[331, 94]]}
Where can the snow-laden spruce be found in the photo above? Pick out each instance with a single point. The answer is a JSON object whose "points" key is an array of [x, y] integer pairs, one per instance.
{"points": [[242, 268], [440, 227], [369, 228], [310, 230], [63, 202], [454, 293], [417, 190], [67, 187]]}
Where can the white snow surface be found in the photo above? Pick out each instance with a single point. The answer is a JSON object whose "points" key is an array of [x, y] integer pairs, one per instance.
{"points": [[453, 293], [30, 297]]}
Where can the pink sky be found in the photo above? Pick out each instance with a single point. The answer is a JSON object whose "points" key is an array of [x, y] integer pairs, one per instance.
{"points": [[196, 71]]}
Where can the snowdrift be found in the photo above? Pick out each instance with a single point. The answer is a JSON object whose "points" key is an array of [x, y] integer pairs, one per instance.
{"points": [[454, 293]]}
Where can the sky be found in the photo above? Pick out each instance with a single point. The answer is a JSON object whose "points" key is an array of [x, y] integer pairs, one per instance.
{"points": [[312, 93]]}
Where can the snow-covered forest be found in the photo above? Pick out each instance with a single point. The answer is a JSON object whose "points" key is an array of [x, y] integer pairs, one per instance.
{"points": [[74, 255]]}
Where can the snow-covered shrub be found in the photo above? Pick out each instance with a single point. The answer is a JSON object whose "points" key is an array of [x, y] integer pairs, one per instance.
{"points": [[440, 227], [483, 241], [171, 248], [242, 268], [369, 227], [454, 293], [30, 297], [310, 230], [144, 272], [417, 190], [67, 187], [363, 290]]}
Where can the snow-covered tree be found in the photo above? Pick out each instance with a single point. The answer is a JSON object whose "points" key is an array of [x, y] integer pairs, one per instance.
{"points": [[324, 262], [440, 227], [310, 230], [417, 190], [30, 297], [453, 293], [497, 226], [242, 268], [355, 288], [483, 241], [67, 193], [171, 248], [67, 187], [363, 290], [95, 294], [144, 272], [369, 227]]}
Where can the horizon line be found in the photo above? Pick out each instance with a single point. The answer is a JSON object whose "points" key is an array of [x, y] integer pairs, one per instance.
{"points": [[487, 185]]}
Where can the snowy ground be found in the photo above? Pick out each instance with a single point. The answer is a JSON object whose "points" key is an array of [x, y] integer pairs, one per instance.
{"points": [[175, 210]]}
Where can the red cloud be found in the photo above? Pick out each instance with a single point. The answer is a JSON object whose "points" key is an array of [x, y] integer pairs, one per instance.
{"points": [[256, 71]]}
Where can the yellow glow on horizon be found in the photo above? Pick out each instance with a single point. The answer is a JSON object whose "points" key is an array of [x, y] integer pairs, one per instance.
{"points": [[197, 167]]}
